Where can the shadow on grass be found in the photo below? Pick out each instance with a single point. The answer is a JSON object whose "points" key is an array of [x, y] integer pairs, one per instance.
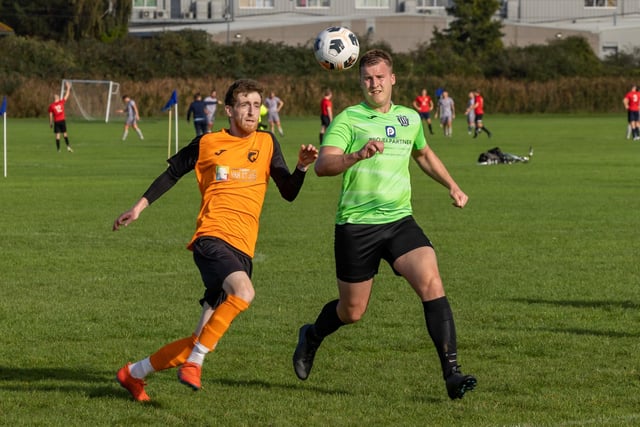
{"points": [[604, 304], [87, 381], [269, 386], [66, 380], [589, 304]]}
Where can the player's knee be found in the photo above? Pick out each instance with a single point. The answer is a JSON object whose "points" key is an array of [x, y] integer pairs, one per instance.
{"points": [[351, 314]]}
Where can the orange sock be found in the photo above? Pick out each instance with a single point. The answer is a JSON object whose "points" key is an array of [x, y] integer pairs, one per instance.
{"points": [[221, 320], [173, 354]]}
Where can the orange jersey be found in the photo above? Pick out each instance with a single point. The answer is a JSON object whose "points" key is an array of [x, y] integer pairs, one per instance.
{"points": [[232, 174]]}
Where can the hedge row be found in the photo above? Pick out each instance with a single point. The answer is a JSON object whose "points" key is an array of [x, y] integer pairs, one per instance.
{"points": [[562, 77]]}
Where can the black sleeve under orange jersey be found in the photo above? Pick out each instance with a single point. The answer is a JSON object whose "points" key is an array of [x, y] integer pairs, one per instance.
{"points": [[180, 164], [288, 183]]}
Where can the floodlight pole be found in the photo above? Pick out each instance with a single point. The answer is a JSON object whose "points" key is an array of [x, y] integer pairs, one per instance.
{"points": [[228, 17]]}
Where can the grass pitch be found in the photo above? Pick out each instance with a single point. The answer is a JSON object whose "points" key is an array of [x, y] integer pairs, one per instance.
{"points": [[541, 269]]}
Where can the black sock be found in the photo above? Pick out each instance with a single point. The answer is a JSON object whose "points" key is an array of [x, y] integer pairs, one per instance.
{"points": [[442, 331], [430, 128], [486, 130], [58, 144], [321, 137], [327, 322], [66, 140]]}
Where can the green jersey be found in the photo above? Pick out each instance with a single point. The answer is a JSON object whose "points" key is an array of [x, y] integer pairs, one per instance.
{"points": [[376, 190]]}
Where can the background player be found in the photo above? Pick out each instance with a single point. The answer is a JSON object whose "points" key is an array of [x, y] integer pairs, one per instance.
{"points": [[326, 112], [57, 119], [631, 102], [133, 116], [424, 104]]}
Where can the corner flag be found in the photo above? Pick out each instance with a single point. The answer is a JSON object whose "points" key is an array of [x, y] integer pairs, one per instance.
{"points": [[171, 102], [3, 114]]}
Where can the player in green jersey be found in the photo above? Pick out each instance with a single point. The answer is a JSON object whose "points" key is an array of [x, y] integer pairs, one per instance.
{"points": [[371, 144]]}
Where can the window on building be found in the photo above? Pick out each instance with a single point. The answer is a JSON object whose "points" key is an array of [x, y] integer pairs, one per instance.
{"points": [[431, 4], [600, 3], [255, 4], [145, 3], [361, 4], [313, 3]]}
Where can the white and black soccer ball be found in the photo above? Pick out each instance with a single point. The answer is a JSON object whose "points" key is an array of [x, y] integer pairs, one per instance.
{"points": [[336, 48]]}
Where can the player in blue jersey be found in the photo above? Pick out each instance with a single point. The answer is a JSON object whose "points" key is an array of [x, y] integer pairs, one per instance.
{"points": [[371, 145]]}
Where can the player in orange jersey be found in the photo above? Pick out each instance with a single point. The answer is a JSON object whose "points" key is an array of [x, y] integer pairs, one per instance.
{"points": [[232, 167]]}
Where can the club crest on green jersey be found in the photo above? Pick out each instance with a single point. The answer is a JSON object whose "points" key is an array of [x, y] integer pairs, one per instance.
{"points": [[403, 120]]}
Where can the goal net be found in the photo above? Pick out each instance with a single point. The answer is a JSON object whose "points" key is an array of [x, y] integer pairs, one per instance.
{"points": [[91, 99]]}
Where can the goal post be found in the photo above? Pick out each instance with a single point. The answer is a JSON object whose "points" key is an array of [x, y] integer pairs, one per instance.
{"points": [[91, 99]]}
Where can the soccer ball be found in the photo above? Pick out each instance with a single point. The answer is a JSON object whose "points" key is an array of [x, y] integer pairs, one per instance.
{"points": [[336, 48]]}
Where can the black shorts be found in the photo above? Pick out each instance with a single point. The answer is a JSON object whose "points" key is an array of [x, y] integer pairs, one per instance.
{"points": [[425, 115], [60, 127], [479, 117], [359, 248], [325, 120], [633, 116], [216, 260]]}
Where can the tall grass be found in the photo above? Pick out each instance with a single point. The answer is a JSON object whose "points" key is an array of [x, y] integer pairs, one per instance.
{"points": [[541, 270], [30, 97]]}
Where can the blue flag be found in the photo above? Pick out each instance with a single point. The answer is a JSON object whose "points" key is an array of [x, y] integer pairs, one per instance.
{"points": [[3, 107], [172, 101]]}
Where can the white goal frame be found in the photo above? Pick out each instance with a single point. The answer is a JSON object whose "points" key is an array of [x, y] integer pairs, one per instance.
{"points": [[112, 90]]}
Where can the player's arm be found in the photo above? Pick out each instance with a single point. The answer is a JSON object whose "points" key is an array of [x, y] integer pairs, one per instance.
{"points": [[431, 164], [333, 160], [289, 184], [135, 110], [183, 162], [68, 91], [280, 105], [50, 119], [625, 102]]}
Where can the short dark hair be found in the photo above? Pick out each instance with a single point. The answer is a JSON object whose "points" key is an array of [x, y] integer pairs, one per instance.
{"points": [[239, 87], [375, 56]]}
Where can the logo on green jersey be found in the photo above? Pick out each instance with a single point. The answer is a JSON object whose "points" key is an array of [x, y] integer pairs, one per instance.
{"points": [[390, 131]]}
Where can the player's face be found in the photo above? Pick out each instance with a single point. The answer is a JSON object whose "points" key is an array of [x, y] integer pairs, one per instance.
{"points": [[244, 115], [377, 82]]}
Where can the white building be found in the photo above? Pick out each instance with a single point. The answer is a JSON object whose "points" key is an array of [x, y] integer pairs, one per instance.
{"points": [[608, 25]]}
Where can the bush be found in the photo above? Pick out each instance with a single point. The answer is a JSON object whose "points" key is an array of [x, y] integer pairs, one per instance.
{"points": [[562, 76]]}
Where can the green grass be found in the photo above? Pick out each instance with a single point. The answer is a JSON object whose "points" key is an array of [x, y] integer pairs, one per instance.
{"points": [[541, 268]]}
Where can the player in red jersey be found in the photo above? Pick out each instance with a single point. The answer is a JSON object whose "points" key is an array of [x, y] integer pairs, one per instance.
{"points": [[478, 108], [424, 104], [57, 120], [233, 168], [326, 112], [631, 102]]}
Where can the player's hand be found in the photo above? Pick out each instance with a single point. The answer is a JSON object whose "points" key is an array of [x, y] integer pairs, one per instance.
{"points": [[131, 215], [459, 197], [370, 149], [307, 155], [125, 219]]}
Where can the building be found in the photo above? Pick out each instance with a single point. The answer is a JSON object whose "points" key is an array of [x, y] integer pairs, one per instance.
{"points": [[609, 26]]}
